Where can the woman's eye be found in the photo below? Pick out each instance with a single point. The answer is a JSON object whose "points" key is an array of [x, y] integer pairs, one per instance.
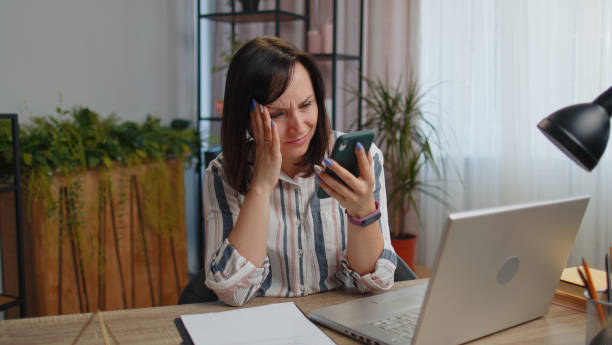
{"points": [[275, 115], [306, 105]]}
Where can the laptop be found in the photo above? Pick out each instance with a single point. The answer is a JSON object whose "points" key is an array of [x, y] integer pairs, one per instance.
{"points": [[496, 268]]}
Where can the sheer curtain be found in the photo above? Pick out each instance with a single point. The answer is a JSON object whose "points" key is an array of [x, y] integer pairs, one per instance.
{"points": [[493, 70]]}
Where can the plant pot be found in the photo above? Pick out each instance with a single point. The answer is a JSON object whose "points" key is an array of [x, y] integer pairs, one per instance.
{"points": [[129, 251], [219, 107], [249, 5], [404, 247]]}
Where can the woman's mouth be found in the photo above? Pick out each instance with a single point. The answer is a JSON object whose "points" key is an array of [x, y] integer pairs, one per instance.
{"points": [[297, 141]]}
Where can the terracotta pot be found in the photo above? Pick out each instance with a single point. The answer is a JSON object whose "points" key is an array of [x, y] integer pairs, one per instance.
{"points": [[404, 247], [219, 106]]}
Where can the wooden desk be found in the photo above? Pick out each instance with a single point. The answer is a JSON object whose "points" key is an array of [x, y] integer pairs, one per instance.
{"points": [[422, 271], [156, 325]]}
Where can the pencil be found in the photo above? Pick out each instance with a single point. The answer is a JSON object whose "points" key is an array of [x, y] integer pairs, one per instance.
{"points": [[592, 292], [584, 282], [608, 269], [609, 291]]}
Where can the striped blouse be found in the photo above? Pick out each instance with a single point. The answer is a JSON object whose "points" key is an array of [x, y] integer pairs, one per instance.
{"points": [[306, 241]]}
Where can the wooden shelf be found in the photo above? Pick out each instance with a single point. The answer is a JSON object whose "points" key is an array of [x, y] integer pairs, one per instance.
{"points": [[7, 302], [11, 230], [7, 188], [251, 17], [337, 56]]}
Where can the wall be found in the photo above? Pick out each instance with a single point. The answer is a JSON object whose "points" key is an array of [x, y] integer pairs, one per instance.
{"points": [[129, 57]]}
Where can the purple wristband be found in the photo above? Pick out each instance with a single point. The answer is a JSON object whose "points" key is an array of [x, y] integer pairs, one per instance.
{"points": [[370, 218]]}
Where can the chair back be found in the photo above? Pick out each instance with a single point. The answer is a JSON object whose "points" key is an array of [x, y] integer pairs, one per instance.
{"points": [[403, 271]]}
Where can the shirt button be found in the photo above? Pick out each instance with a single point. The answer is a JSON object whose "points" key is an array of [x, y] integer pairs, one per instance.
{"points": [[300, 252]]}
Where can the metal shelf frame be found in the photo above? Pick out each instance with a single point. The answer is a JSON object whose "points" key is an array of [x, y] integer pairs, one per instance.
{"points": [[9, 301]]}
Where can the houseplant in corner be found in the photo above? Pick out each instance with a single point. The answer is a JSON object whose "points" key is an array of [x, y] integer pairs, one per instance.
{"points": [[226, 58], [406, 137], [104, 211]]}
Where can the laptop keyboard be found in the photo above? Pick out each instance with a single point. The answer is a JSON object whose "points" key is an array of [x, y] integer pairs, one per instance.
{"points": [[402, 324]]}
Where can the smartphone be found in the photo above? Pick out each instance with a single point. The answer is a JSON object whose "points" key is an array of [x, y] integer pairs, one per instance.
{"points": [[344, 154]]}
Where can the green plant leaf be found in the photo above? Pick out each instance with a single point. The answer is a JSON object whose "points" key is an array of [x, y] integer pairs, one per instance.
{"points": [[107, 162], [27, 158], [405, 136], [141, 153], [93, 162], [72, 140]]}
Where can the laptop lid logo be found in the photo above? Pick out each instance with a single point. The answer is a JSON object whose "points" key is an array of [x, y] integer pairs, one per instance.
{"points": [[508, 270]]}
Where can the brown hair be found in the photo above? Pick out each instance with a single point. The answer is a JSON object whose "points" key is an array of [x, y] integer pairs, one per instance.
{"points": [[261, 70]]}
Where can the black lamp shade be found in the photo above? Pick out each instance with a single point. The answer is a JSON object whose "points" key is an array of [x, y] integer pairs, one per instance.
{"points": [[581, 131]]}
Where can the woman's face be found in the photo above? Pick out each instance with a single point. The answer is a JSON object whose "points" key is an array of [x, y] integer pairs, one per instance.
{"points": [[295, 116]]}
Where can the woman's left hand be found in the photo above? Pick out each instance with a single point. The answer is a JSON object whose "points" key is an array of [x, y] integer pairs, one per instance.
{"points": [[357, 195]]}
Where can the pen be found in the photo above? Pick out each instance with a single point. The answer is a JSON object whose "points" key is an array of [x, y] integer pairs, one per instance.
{"points": [[592, 292]]}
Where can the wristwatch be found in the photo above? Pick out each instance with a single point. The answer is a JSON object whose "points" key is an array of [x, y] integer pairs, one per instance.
{"points": [[367, 220]]}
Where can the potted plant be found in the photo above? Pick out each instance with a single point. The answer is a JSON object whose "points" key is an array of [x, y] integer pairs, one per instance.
{"points": [[104, 200], [249, 5], [226, 57], [406, 137]]}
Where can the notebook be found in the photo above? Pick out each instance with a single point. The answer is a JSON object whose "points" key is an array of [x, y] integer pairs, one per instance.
{"points": [[570, 291], [495, 268], [272, 324]]}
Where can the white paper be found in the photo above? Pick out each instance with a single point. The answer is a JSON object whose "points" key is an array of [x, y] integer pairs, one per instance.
{"points": [[272, 324]]}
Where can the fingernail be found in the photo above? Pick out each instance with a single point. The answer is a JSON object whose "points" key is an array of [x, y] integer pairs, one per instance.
{"points": [[327, 162], [359, 147], [272, 123], [252, 106], [318, 178], [261, 108], [318, 169]]}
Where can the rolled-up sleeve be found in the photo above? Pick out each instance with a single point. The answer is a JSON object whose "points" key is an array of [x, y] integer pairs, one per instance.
{"points": [[232, 277], [384, 269], [379, 280]]}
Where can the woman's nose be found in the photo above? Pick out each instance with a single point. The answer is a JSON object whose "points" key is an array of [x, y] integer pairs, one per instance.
{"points": [[295, 123]]}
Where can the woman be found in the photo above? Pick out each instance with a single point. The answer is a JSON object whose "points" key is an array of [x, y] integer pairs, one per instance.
{"points": [[267, 232]]}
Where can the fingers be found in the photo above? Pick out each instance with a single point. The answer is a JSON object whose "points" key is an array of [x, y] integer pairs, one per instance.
{"points": [[261, 124], [332, 186], [255, 122], [275, 137], [340, 171], [323, 177], [266, 124], [354, 188], [364, 162]]}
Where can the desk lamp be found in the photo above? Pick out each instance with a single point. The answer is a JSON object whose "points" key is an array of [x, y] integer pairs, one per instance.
{"points": [[581, 131]]}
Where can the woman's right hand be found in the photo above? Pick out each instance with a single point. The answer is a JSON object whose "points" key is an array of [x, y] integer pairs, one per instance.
{"points": [[250, 233], [268, 157]]}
